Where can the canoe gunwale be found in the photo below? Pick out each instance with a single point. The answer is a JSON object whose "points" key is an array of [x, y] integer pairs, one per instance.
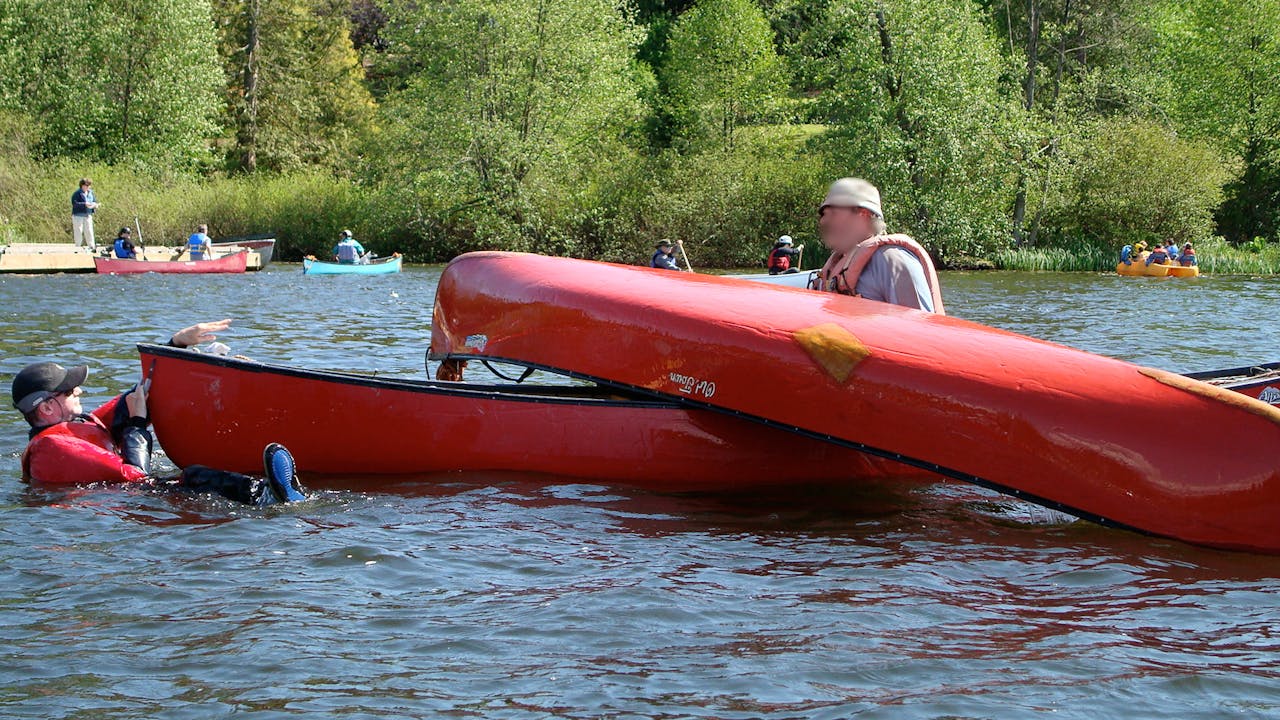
{"points": [[814, 435], [551, 394]]}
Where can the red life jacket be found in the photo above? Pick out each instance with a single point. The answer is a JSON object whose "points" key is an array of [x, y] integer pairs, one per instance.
{"points": [[79, 451], [840, 274], [779, 262]]}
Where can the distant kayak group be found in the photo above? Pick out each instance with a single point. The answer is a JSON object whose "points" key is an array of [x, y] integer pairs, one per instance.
{"points": [[1165, 260]]}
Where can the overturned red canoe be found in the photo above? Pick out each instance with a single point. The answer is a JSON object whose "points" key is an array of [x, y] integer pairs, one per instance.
{"points": [[221, 412], [1045, 422], [234, 263]]}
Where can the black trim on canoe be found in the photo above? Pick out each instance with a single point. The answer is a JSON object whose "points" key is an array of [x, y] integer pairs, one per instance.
{"points": [[1230, 376], [609, 396], [869, 450]]}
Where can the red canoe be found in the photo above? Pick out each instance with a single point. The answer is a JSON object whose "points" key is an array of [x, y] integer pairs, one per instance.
{"points": [[1256, 381], [233, 263], [343, 423], [1066, 428]]}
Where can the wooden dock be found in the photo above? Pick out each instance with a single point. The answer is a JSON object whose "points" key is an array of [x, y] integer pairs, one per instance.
{"points": [[63, 258]]}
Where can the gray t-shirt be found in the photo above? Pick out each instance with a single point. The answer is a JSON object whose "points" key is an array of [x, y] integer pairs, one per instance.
{"points": [[895, 275]]}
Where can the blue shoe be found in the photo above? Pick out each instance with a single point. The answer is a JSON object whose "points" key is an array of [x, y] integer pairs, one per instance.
{"points": [[278, 463]]}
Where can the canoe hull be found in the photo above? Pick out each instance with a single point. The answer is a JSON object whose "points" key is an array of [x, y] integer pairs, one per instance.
{"points": [[264, 247], [340, 423], [1140, 269], [377, 267], [233, 263], [1040, 421]]}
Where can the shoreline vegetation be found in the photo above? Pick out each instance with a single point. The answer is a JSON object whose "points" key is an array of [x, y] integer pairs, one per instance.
{"points": [[1038, 135]]}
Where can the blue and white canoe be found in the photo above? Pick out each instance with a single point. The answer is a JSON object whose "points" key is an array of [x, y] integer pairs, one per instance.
{"points": [[382, 266], [800, 279]]}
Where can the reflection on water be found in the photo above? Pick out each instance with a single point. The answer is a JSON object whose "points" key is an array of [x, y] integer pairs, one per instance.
{"points": [[503, 595]]}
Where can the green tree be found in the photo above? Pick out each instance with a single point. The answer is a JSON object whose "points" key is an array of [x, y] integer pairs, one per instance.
{"points": [[513, 113], [114, 80], [1223, 60], [720, 70], [294, 83], [1133, 180], [909, 89], [1071, 62]]}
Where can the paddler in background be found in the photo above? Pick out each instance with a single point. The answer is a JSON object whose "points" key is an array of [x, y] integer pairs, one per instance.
{"points": [[123, 245], [1158, 255], [1187, 258], [664, 258], [784, 258], [199, 245], [348, 251], [865, 262]]}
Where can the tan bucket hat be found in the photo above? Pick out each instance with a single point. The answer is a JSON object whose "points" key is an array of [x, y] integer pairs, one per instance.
{"points": [[854, 192]]}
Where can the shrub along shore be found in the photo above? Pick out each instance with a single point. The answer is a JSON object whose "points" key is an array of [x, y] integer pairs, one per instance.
{"points": [[305, 211]]}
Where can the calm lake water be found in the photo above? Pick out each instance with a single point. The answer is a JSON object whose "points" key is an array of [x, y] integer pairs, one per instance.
{"points": [[505, 596]]}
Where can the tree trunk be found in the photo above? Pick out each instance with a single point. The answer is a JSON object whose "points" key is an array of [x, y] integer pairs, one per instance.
{"points": [[1028, 104], [249, 120]]}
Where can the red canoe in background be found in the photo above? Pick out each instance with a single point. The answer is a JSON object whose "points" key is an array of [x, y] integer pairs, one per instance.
{"points": [[1256, 381], [233, 263], [221, 412], [1044, 422]]}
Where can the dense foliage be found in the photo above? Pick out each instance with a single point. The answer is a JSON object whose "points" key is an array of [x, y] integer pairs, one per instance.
{"points": [[594, 127]]}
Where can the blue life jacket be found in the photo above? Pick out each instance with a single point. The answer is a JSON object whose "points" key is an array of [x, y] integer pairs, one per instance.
{"points": [[347, 251], [122, 252], [1125, 253]]}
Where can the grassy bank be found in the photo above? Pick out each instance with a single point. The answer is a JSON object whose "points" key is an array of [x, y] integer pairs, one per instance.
{"points": [[1215, 256], [305, 211]]}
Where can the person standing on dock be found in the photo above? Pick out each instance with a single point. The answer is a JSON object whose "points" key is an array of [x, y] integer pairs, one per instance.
{"points": [[348, 251], [83, 205], [865, 262], [664, 256], [113, 445], [199, 245]]}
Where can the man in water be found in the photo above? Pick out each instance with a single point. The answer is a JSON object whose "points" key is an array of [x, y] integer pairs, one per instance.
{"points": [[112, 444], [865, 262], [664, 257]]}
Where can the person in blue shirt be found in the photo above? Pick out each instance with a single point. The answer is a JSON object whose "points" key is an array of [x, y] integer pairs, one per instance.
{"points": [[665, 257], [348, 251], [83, 205], [1126, 254], [198, 245], [123, 245]]}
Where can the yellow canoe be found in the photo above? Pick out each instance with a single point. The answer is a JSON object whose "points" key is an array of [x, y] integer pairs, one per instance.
{"points": [[1138, 267]]}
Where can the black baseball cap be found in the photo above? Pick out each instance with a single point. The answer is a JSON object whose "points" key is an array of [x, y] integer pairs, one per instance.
{"points": [[40, 381]]}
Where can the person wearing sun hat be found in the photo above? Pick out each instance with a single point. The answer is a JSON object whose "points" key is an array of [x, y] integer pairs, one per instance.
{"points": [[866, 262], [664, 256], [113, 445]]}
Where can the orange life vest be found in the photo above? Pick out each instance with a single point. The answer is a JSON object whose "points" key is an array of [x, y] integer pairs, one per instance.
{"points": [[840, 273]]}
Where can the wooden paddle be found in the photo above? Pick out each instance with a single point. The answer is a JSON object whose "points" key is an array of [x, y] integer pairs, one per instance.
{"points": [[685, 255]]}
